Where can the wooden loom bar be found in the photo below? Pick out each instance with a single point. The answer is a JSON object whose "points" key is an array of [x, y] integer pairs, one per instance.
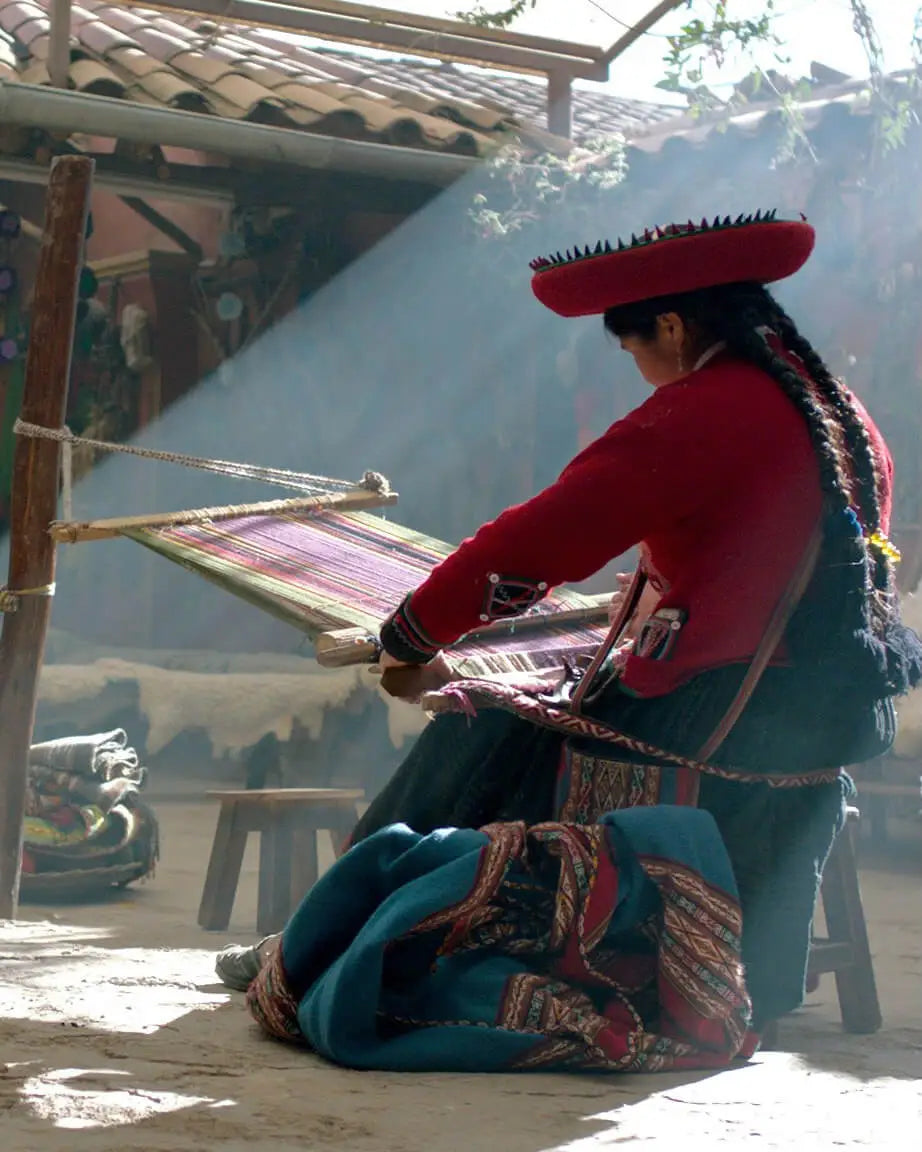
{"points": [[36, 470], [73, 532], [345, 646]]}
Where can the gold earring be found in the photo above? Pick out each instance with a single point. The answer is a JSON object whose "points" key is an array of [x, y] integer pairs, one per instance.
{"points": [[681, 365]]}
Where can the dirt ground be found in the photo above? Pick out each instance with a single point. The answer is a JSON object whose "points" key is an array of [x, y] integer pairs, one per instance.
{"points": [[115, 1037]]}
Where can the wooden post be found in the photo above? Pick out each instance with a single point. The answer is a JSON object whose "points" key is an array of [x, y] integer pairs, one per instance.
{"points": [[59, 43], [560, 104], [33, 506]]}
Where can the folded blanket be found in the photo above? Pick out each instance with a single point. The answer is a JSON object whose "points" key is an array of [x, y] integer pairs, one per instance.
{"points": [[84, 817], [104, 754]]}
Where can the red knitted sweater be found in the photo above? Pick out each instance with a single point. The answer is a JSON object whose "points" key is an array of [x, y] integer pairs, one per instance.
{"points": [[714, 476]]}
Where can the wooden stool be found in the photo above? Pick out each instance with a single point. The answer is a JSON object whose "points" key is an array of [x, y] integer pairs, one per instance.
{"points": [[845, 950], [288, 821], [883, 781]]}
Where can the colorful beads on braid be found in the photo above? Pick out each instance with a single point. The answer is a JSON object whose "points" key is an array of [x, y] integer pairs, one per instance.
{"points": [[886, 548]]}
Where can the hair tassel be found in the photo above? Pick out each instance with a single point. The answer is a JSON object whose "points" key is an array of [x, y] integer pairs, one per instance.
{"points": [[885, 547]]}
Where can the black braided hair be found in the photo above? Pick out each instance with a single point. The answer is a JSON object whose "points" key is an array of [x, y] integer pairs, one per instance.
{"points": [[848, 622], [863, 458]]}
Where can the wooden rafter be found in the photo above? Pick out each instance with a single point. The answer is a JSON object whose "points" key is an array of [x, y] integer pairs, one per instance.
{"points": [[347, 23], [166, 226], [642, 26]]}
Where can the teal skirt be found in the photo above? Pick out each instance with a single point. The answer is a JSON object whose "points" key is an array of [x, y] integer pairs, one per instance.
{"points": [[466, 772]]}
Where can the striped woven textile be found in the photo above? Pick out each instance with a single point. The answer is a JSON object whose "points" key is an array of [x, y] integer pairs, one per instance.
{"points": [[322, 571]]}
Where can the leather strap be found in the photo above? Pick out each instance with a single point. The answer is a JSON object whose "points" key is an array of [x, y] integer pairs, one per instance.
{"points": [[628, 607], [768, 644], [771, 638]]}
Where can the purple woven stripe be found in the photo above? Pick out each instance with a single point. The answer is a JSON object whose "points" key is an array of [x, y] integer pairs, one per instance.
{"points": [[359, 561]]}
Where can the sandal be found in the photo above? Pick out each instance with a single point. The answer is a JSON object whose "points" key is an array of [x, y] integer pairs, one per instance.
{"points": [[238, 965]]}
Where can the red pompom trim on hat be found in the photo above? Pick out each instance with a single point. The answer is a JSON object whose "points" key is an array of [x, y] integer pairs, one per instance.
{"points": [[667, 261]]}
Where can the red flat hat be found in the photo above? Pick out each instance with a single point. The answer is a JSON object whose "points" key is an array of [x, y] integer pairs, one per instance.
{"points": [[667, 261]]}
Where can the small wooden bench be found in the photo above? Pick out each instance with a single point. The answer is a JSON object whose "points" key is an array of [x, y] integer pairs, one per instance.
{"points": [[288, 821], [844, 951]]}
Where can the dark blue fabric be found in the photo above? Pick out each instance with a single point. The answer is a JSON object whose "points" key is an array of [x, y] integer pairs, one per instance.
{"points": [[467, 772], [338, 948]]}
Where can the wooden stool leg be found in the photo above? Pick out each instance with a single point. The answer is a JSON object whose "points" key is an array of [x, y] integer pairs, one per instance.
{"points": [[845, 922], [275, 852], [342, 824], [224, 866], [305, 864]]}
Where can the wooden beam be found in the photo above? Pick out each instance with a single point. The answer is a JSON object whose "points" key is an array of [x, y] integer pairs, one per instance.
{"points": [[410, 23], [130, 264], [59, 44], [456, 44], [560, 105], [77, 531], [186, 183], [36, 470], [633, 34], [165, 226], [350, 192], [343, 647]]}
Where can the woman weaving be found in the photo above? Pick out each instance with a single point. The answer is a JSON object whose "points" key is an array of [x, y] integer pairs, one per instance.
{"points": [[767, 653]]}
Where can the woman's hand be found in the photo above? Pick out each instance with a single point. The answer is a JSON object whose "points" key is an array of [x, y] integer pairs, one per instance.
{"points": [[412, 681], [614, 606], [386, 661]]}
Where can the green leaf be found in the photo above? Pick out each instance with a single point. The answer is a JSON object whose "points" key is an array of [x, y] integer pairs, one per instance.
{"points": [[482, 18]]}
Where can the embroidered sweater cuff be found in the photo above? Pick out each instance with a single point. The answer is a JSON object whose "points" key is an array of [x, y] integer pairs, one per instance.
{"points": [[404, 639]]}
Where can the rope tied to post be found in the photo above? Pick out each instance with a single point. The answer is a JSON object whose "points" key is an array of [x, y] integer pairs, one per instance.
{"points": [[9, 598], [283, 477]]}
